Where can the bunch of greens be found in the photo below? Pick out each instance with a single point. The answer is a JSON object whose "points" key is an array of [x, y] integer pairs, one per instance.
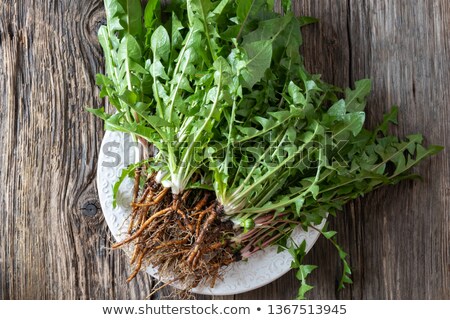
{"points": [[219, 88]]}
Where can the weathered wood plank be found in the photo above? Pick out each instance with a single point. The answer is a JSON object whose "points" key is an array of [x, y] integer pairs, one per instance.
{"points": [[50, 247], [54, 242], [402, 232]]}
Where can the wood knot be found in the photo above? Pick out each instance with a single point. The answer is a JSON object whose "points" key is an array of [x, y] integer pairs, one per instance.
{"points": [[97, 23], [91, 208]]}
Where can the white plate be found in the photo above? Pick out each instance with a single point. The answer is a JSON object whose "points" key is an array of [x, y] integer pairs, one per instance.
{"points": [[117, 151]]}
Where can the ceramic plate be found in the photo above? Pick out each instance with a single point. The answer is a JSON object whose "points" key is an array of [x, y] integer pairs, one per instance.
{"points": [[117, 151]]}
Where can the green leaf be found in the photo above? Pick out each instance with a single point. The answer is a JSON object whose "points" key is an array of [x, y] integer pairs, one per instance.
{"points": [[133, 17], [114, 123], [160, 43], [351, 123], [129, 97], [356, 99], [157, 122], [329, 234], [314, 189], [218, 10], [259, 55], [247, 8], [151, 13], [99, 113], [129, 49], [103, 37], [388, 118], [157, 70], [304, 288], [295, 94], [177, 38], [201, 9], [421, 154], [338, 110], [299, 205], [113, 8], [125, 173], [269, 29], [286, 5], [305, 270], [305, 20], [154, 121]]}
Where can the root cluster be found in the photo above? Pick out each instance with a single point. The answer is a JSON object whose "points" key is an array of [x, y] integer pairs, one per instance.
{"points": [[183, 236]]}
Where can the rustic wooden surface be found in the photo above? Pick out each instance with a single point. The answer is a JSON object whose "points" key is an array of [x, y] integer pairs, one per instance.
{"points": [[53, 240]]}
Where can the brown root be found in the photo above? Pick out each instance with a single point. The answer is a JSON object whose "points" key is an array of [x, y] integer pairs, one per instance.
{"points": [[142, 228], [201, 236], [183, 236]]}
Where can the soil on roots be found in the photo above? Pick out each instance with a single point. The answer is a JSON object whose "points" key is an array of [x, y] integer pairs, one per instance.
{"points": [[186, 237]]}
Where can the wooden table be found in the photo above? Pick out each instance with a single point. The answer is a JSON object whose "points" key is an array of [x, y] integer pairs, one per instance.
{"points": [[54, 243]]}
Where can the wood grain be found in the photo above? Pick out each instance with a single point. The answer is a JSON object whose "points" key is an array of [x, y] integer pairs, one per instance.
{"points": [[54, 243]]}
